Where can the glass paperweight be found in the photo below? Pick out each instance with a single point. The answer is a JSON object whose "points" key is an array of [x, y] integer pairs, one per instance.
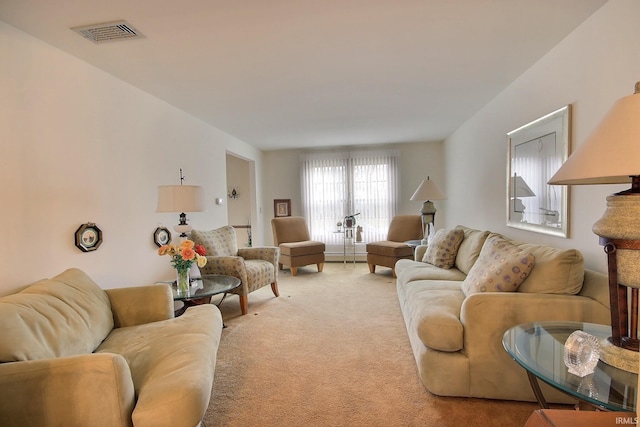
{"points": [[581, 353]]}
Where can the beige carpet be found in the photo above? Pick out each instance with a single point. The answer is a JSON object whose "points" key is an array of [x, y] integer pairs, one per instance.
{"points": [[332, 350]]}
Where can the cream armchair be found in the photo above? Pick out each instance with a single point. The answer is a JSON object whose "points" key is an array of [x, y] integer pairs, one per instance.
{"points": [[255, 267]]}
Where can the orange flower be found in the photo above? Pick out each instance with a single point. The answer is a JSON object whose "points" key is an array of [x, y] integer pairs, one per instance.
{"points": [[187, 244], [188, 254], [183, 255]]}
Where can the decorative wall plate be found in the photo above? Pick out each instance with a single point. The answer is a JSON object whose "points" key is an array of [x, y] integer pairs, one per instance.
{"points": [[88, 237], [162, 236]]}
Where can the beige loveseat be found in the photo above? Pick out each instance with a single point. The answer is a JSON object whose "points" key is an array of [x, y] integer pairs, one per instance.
{"points": [[456, 337], [73, 354]]}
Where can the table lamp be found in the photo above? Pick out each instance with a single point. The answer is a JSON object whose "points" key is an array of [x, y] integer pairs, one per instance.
{"points": [[180, 199], [427, 191], [611, 155], [520, 189]]}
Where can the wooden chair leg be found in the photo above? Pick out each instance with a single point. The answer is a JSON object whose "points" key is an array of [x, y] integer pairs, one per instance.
{"points": [[274, 288], [320, 267], [372, 268], [294, 271], [279, 266], [244, 304]]}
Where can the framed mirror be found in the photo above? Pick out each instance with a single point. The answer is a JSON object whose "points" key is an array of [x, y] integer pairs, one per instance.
{"points": [[536, 152]]}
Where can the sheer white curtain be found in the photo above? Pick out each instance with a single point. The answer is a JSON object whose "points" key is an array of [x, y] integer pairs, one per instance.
{"points": [[535, 162], [337, 184]]}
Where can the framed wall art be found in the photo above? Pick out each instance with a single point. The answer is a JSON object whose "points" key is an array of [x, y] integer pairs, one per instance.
{"points": [[535, 152], [88, 237], [162, 236], [281, 207]]}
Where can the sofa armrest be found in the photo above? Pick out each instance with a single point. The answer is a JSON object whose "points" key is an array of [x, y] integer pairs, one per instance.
{"points": [[596, 287], [419, 252], [486, 316], [91, 389], [140, 304], [266, 253]]}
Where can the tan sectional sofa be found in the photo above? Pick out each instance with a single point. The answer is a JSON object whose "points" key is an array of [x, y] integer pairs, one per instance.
{"points": [[457, 338], [72, 354]]}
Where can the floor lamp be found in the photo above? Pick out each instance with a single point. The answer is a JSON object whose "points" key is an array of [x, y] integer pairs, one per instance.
{"points": [[426, 192], [611, 155]]}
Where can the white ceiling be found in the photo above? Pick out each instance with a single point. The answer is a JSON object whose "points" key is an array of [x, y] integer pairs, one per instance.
{"points": [[306, 73]]}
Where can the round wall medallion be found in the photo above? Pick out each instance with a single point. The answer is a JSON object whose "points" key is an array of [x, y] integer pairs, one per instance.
{"points": [[88, 237], [162, 236]]}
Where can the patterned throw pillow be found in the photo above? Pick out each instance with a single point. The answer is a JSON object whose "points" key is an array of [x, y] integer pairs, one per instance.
{"points": [[442, 250], [501, 267]]}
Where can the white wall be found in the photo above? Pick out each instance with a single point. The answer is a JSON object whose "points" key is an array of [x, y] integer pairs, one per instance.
{"points": [[78, 145], [417, 160], [592, 68]]}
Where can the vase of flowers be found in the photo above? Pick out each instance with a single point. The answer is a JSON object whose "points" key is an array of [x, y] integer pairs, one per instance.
{"points": [[182, 257]]}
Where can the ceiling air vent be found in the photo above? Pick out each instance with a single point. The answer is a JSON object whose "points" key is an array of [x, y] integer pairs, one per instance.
{"points": [[108, 31]]}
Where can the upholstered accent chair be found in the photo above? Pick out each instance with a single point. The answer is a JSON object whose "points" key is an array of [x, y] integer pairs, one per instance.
{"points": [[387, 252], [255, 267], [291, 235]]}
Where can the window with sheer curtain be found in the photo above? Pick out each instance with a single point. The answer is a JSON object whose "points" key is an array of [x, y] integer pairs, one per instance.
{"points": [[337, 184]]}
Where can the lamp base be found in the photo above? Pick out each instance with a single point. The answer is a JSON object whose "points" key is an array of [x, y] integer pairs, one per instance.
{"points": [[619, 357], [183, 229]]}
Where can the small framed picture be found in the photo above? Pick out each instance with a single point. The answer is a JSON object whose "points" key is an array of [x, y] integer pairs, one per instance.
{"points": [[162, 236], [88, 237], [281, 207]]}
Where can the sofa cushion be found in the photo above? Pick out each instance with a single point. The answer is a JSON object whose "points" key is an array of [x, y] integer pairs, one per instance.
{"points": [[63, 316], [501, 267], [442, 250], [470, 248], [434, 307], [172, 364], [557, 271], [408, 270], [389, 248]]}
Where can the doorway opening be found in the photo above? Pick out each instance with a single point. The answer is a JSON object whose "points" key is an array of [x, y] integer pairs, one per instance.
{"points": [[241, 198]]}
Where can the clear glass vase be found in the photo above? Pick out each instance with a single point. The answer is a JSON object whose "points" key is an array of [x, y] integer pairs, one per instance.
{"points": [[182, 282]]}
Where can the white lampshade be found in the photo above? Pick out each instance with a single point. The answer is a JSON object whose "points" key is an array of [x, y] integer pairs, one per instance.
{"points": [[427, 191], [180, 198], [611, 154]]}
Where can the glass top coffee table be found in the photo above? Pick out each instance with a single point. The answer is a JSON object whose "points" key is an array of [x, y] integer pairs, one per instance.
{"points": [[202, 289], [539, 348]]}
